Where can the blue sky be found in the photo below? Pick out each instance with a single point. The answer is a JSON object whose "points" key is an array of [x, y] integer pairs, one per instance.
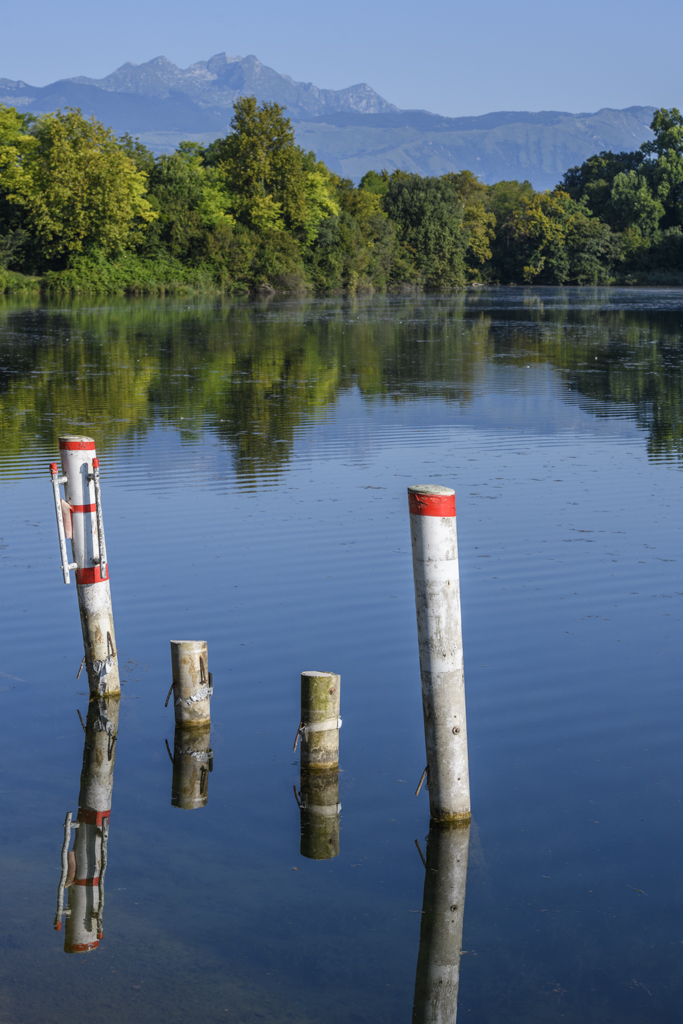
{"points": [[454, 58]]}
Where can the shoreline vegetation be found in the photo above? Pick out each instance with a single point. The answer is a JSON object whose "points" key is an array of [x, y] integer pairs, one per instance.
{"points": [[85, 213]]}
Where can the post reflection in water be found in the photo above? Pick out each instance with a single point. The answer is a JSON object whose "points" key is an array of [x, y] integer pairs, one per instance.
{"points": [[192, 761], [319, 808], [84, 867], [443, 906]]}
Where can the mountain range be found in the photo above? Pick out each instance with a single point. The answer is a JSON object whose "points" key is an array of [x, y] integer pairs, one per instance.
{"points": [[353, 130]]}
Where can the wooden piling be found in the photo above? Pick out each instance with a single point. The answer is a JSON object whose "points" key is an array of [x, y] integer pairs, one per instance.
{"points": [[320, 721], [192, 682]]}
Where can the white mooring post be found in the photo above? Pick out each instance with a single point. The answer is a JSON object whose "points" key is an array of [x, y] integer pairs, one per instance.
{"points": [[439, 628], [79, 518], [320, 722], [192, 683], [443, 908]]}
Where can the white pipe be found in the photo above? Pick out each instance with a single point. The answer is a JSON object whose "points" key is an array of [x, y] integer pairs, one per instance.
{"points": [[102, 559], [439, 628], [60, 523], [64, 873]]}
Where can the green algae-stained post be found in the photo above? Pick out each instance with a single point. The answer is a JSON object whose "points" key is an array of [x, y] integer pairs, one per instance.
{"points": [[439, 629], [319, 808], [320, 721]]}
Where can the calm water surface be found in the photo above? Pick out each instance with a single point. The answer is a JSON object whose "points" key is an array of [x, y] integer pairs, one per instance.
{"points": [[255, 460]]}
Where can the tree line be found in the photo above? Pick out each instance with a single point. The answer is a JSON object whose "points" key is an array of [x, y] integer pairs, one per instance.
{"points": [[84, 211]]}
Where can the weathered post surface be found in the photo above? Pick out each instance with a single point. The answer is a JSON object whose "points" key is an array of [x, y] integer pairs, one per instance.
{"points": [[443, 908], [320, 721], [84, 868], [439, 628], [192, 762], [80, 519], [192, 682], [319, 809]]}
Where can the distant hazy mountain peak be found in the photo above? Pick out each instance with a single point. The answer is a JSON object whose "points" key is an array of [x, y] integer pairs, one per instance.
{"points": [[215, 84]]}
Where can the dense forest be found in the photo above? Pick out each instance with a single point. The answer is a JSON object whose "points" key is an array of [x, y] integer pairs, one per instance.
{"points": [[82, 211]]}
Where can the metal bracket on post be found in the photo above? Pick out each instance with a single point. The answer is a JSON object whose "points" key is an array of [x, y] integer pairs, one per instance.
{"points": [[100, 884], [56, 481], [95, 477], [61, 912]]}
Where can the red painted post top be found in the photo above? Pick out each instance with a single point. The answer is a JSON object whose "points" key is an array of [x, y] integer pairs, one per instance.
{"points": [[95, 463], [53, 467], [431, 500], [77, 444]]}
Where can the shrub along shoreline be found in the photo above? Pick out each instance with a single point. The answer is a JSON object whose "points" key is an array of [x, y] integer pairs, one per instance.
{"points": [[85, 213]]}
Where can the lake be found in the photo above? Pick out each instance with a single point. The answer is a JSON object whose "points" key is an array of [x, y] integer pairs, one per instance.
{"points": [[254, 464]]}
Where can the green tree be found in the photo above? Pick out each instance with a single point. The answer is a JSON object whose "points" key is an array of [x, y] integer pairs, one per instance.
{"points": [[479, 220], [593, 180], [142, 157], [429, 216], [80, 191], [632, 204], [275, 184], [505, 200], [552, 239], [16, 143]]}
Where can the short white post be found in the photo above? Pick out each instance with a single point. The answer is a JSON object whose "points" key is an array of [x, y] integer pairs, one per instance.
{"points": [[320, 721], [192, 761], [84, 525], [439, 628], [192, 682], [443, 907]]}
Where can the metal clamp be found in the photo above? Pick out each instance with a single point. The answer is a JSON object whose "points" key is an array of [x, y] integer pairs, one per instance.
{"points": [[326, 726]]}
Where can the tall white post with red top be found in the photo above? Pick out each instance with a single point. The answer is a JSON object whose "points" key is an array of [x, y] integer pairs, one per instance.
{"points": [[79, 518], [439, 629]]}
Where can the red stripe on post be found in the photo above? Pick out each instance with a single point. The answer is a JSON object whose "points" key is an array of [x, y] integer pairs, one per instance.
{"points": [[431, 504], [89, 817], [83, 508], [91, 575], [86, 881], [77, 446], [81, 947]]}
